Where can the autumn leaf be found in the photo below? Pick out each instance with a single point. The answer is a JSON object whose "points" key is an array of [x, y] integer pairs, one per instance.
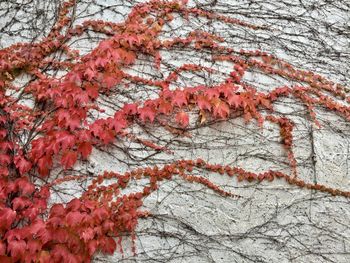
{"points": [[202, 117], [5, 159], [22, 164], [130, 109], [212, 93], [57, 210], [73, 205], [74, 218], [107, 136], [227, 89], [119, 122], [182, 119], [69, 158], [44, 165], [34, 245], [165, 107], [89, 74], [92, 90], [20, 202], [203, 103], [110, 80], [65, 139], [234, 100], [147, 113], [87, 234], [108, 245], [85, 149], [2, 248], [7, 217], [100, 214], [265, 102], [26, 187], [92, 246], [179, 99], [16, 248], [221, 109]]}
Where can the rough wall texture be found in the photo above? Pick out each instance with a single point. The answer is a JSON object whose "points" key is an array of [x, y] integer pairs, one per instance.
{"points": [[272, 222]]}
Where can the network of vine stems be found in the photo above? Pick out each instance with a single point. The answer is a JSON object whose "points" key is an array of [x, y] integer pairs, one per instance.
{"points": [[56, 127]]}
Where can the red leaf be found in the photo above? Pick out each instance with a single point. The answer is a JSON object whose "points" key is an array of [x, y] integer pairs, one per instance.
{"points": [[165, 107], [3, 134], [37, 226], [2, 248], [96, 128], [157, 60], [108, 245], [221, 109], [5, 159], [85, 149], [87, 234], [22, 164], [5, 259], [34, 245], [74, 218], [26, 187], [7, 216], [4, 171], [234, 100], [21, 202], [179, 98], [92, 246], [5, 145], [265, 102], [212, 93], [100, 61], [44, 165], [100, 214], [60, 253], [44, 257], [74, 77], [69, 158], [182, 119], [111, 80], [57, 210], [74, 204], [89, 74], [203, 103], [228, 89], [92, 90], [16, 248], [130, 109], [73, 122], [66, 139], [107, 136], [147, 113], [119, 122]]}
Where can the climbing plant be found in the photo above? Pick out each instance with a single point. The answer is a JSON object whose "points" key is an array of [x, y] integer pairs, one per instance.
{"points": [[59, 128]]}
